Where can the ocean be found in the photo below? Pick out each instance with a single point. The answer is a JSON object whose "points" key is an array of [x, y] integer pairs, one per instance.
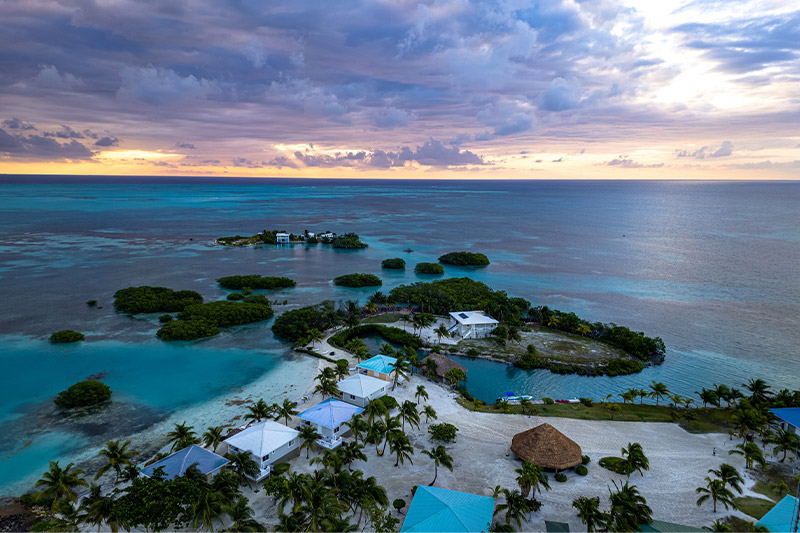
{"points": [[713, 268]]}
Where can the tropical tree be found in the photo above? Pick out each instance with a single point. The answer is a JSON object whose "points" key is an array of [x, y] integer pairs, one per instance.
{"points": [[729, 476], [327, 387], [117, 457], [351, 452], [441, 331], [429, 412], [455, 376], [716, 490], [658, 390], [723, 393], [358, 426], [613, 408], [708, 396], [97, 509], [759, 390], [241, 515], [784, 440], [393, 429], [421, 393], [718, 525], [642, 394], [589, 513], [207, 508], [400, 446], [258, 411], [440, 457], [243, 465], [401, 369], [635, 459], [408, 411], [752, 454], [59, 483], [286, 410], [526, 406], [213, 437], [182, 436], [628, 396], [310, 436], [342, 369], [530, 478], [315, 336], [376, 434], [516, 507], [628, 508], [514, 335]]}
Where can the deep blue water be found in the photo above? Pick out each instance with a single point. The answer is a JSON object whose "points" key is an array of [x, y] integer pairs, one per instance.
{"points": [[711, 267]]}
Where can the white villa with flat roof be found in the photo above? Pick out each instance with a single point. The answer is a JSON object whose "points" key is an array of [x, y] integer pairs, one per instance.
{"points": [[282, 237], [471, 324], [359, 389], [267, 442], [329, 418]]}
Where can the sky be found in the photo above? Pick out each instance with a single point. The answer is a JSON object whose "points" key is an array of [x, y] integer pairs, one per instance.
{"points": [[628, 89]]}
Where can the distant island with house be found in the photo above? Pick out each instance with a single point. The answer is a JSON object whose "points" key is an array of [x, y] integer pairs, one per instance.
{"points": [[348, 241]]}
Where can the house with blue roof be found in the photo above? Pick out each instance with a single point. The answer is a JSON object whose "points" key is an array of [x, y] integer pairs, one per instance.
{"points": [[175, 465], [329, 418], [782, 517], [789, 417], [441, 510], [380, 366]]}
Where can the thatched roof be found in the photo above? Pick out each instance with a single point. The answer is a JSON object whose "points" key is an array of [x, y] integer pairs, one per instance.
{"points": [[444, 363], [547, 447]]}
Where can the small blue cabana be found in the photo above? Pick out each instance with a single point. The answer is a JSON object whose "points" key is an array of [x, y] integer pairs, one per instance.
{"points": [[789, 415], [176, 464], [440, 510], [780, 517]]}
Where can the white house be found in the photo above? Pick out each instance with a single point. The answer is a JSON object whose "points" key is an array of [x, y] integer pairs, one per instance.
{"points": [[327, 235], [282, 237], [329, 418], [267, 442], [359, 389], [471, 324]]}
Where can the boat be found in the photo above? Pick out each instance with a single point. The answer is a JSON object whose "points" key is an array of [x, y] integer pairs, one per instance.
{"points": [[514, 399], [408, 250]]}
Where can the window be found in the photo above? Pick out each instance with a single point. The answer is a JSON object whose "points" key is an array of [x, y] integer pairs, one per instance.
{"points": [[336, 430], [291, 443], [265, 457], [352, 397]]}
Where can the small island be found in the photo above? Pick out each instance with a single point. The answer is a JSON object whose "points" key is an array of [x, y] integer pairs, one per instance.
{"points": [[346, 241], [358, 280], [66, 335], [395, 263], [83, 394], [429, 268], [464, 259], [255, 282], [146, 299]]}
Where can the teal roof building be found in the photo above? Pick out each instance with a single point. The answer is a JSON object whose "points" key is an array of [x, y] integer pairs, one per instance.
{"points": [[438, 510], [380, 364], [782, 516]]}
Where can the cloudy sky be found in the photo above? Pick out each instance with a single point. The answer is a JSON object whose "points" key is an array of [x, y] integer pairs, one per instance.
{"points": [[442, 89]]}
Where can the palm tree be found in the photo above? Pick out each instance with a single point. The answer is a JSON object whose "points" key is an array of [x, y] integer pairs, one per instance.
{"points": [[351, 452], [642, 394], [717, 491], [375, 409], [628, 508], [310, 437], [213, 437], [658, 390], [455, 376], [421, 393], [243, 465], [708, 396], [440, 457], [207, 508], [117, 457], [401, 370], [98, 509], [515, 506], [315, 336], [258, 411], [525, 405], [636, 460], [182, 436], [327, 387], [286, 410], [759, 390], [784, 440], [408, 411], [393, 428], [358, 426], [718, 525], [429, 413], [752, 454], [406, 319], [723, 393], [342, 370], [628, 395], [58, 484], [400, 446], [589, 512], [531, 477], [441, 331], [242, 516], [729, 476], [375, 434]]}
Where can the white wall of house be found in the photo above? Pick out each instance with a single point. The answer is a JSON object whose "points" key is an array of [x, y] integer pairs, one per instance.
{"points": [[266, 461], [362, 401]]}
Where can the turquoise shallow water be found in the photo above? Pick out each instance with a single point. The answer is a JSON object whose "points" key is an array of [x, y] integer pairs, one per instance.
{"points": [[712, 268]]}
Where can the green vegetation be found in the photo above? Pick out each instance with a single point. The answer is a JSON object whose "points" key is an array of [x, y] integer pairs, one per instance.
{"points": [[385, 318], [358, 280], [396, 263], [561, 477], [165, 318], [444, 432], [615, 464], [187, 330], [348, 241], [255, 281], [91, 303], [390, 334], [464, 259], [581, 470], [614, 367], [224, 314], [66, 335], [295, 325], [83, 394], [429, 268], [752, 506], [154, 300]]}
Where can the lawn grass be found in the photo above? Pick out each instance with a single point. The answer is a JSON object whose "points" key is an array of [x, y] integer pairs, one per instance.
{"points": [[387, 318], [755, 507], [707, 421]]}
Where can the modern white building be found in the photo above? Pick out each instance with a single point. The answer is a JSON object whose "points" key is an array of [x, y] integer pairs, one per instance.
{"points": [[471, 324], [282, 237], [359, 389], [327, 235], [268, 442], [329, 418]]}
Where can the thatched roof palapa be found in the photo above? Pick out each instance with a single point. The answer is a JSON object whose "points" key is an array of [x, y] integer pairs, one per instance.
{"points": [[444, 363], [547, 447]]}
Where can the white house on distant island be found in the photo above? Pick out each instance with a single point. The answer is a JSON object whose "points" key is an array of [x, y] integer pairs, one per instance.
{"points": [[282, 237], [471, 324], [267, 442], [329, 418], [327, 235], [359, 389]]}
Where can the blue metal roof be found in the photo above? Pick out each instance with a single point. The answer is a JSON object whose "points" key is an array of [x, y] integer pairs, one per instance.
{"points": [[176, 464], [780, 517], [380, 363], [790, 415], [331, 413], [441, 510]]}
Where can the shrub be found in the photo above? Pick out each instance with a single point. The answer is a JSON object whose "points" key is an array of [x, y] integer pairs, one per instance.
{"points": [[398, 504], [83, 393], [581, 470], [587, 402], [561, 477], [585, 460], [389, 334], [66, 335], [358, 280], [235, 296], [429, 268], [295, 324], [464, 259], [614, 464], [91, 303], [154, 300], [165, 318], [396, 263], [444, 432], [225, 314], [548, 401], [472, 352], [255, 281], [187, 330], [348, 241], [388, 401], [456, 294]]}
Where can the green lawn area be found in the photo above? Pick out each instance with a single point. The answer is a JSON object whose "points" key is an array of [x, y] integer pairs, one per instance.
{"points": [[755, 507], [707, 421], [387, 318]]}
